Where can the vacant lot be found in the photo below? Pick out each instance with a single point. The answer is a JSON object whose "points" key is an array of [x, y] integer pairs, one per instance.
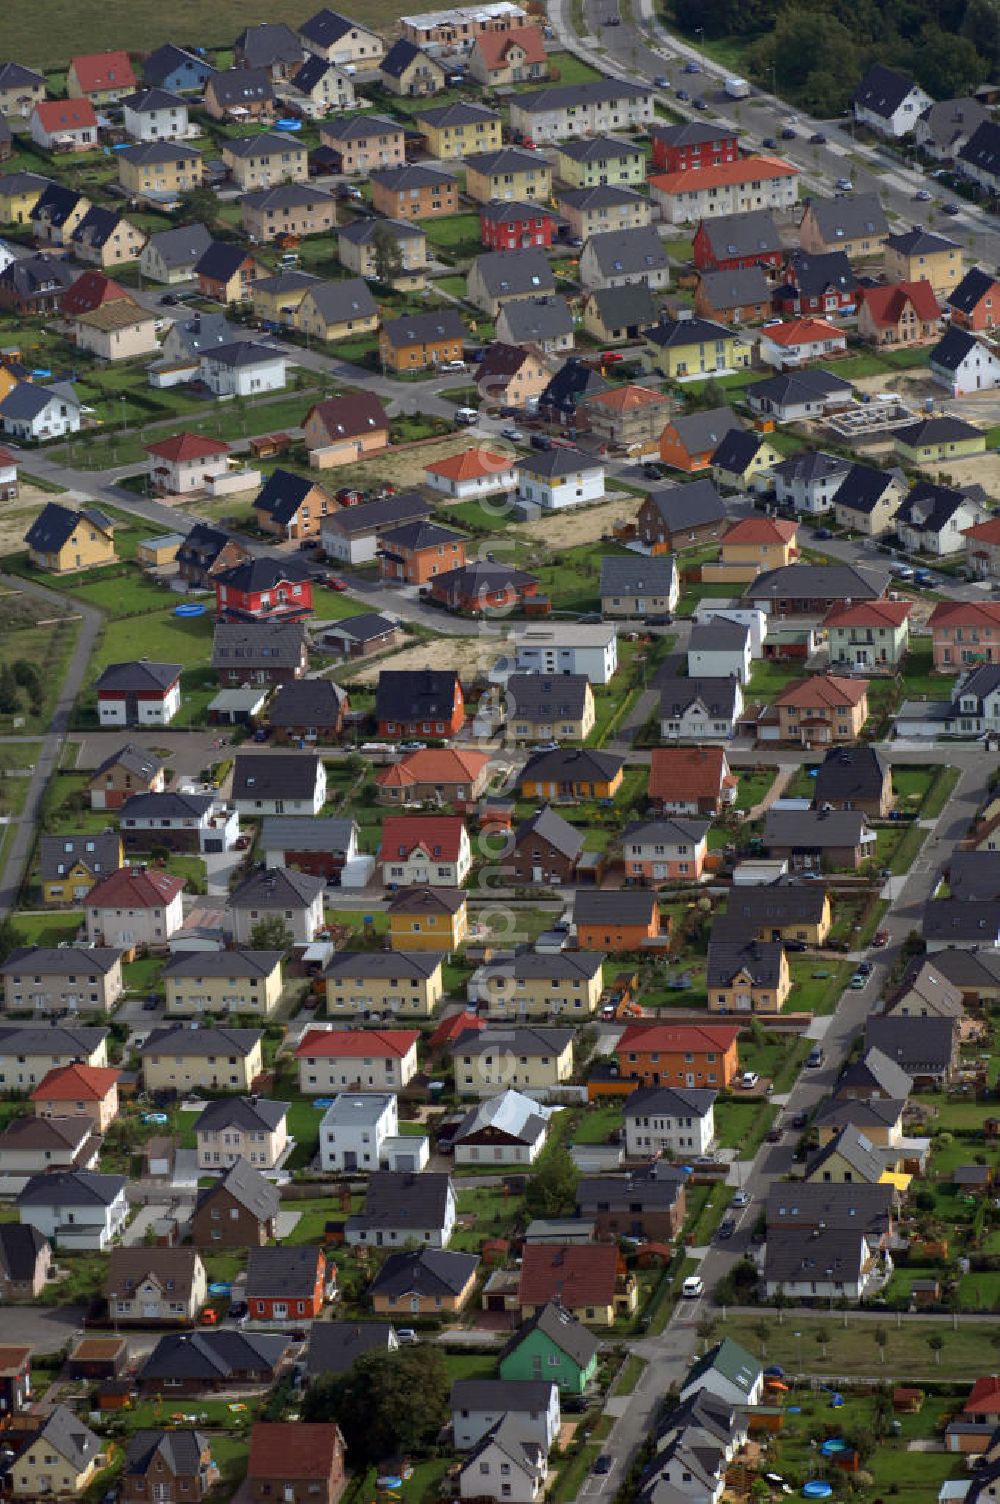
{"points": [[405, 467], [468, 655], [981, 469], [580, 525], [851, 1349], [16, 520]]}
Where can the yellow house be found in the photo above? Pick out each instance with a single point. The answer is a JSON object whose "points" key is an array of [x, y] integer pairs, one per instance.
{"points": [[583, 774], [27, 1054], [60, 540], [19, 193], [178, 1059], [511, 173], [225, 982], [522, 1058], [394, 982], [741, 457], [939, 439], [595, 161], [796, 912], [566, 984], [260, 161], [755, 543], [693, 347], [921, 256], [160, 168], [593, 211], [428, 919], [748, 978], [849, 1158], [69, 865], [880, 1120], [62, 1458], [276, 299], [337, 310], [460, 130]]}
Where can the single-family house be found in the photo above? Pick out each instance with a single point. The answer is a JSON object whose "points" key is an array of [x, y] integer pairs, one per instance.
{"points": [[239, 1210], [888, 102], [75, 1209], [869, 635], [699, 709], [296, 898]]}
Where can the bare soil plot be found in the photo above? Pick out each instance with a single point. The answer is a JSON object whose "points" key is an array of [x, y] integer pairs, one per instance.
{"points": [[17, 517], [467, 655], [580, 524]]}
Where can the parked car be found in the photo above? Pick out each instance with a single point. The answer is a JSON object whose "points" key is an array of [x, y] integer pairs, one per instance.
{"points": [[749, 1080], [683, 94], [334, 582], [822, 533], [413, 746], [238, 1309], [880, 938], [951, 209], [699, 104], [787, 133], [513, 434], [844, 185], [815, 1058], [923, 196], [817, 139], [859, 982], [769, 143], [741, 1199], [693, 1286], [661, 82], [406, 1334], [604, 1464], [691, 66], [726, 1228]]}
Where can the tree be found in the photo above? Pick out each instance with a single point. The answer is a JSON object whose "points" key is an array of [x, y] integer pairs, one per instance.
{"points": [[271, 934], [982, 28], [10, 938], [551, 1190], [762, 1331], [199, 206], [388, 1402], [947, 66], [881, 1337], [388, 256], [10, 702], [935, 1342], [706, 1330], [821, 1336]]}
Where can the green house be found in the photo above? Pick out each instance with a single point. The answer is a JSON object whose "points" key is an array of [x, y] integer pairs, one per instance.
{"points": [[552, 1345]]}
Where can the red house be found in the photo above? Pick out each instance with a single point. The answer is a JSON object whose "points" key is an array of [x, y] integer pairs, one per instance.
{"points": [[691, 145], [264, 590], [486, 586], [975, 302], [419, 702], [510, 227], [91, 290], [735, 241], [285, 1283]]}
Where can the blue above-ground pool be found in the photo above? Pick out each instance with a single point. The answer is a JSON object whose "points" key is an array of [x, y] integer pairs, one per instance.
{"points": [[817, 1489], [220, 1287], [288, 124], [189, 608], [834, 1447]]}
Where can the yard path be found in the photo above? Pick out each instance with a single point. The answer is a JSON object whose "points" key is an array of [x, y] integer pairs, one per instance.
{"points": [[24, 826], [786, 772]]}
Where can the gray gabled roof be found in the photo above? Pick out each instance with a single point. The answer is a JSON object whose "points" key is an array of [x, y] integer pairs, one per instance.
{"points": [[624, 307], [562, 1329], [307, 702], [55, 523], [718, 696], [829, 1204], [669, 1102], [506, 274], [508, 1115], [178, 1039], [424, 328], [59, 960], [67, 1435], [635, 252], [139, 676], [179, 1451], [335, 1346], [882, 91], [428, 1271], [520, 1039], [495, 1395], [666, 832], [63, 1188], [258, 644], [623, 574], [831, 582], [541, 697], [255, 1114], [736, 449], [850, 774], [270, 775], [276, 888], [248, 1187], [243, 962], [384, 964], [759, 959], [974, 875], [599, 149], [837, 1255], [915, 1044], [550, 827], [165, 807], [629, 906], [181, 247], [962, 919], [811, 829], [343, 301], [856, 216], [751, 234], [920, 242], [857, 1149], [736, 289], [58, 1040], [862, 488], [405, 1201], [284, 1271], [98, 852], [364, 231], [306, 833], [567, 96], [530, 320]]}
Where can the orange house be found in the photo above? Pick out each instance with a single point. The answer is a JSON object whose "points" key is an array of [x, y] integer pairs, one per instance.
{"points": [[689, 443], [759, 543], [286, 1284], [417, 551], [615, 921], [80, 1091], [679, 1054]]}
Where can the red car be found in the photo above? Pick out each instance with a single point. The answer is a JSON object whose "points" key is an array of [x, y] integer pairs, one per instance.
{"points": [[611, 357], [881, 938], [334, 582]]}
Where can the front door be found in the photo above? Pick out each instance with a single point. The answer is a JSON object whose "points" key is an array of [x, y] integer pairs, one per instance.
{"points": [[689, 1078], [659, 869], [350, 1159]]}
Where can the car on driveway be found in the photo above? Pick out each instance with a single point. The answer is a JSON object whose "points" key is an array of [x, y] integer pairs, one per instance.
{"points": [[334, 582], [693, 1286], [604, 1464], [741, 1198], [817, 139], [726, 1228], [513, 434], [749, 1080]]}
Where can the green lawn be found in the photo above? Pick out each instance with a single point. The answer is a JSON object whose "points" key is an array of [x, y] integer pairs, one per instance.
{"points": [[741, 1124], [48, 929], [813, 992], [967, 1350], [753, 785], [597, 1123]]}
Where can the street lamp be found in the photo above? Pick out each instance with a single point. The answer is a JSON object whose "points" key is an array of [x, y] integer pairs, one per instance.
{"points": [[699, 32], [799, 1336]]}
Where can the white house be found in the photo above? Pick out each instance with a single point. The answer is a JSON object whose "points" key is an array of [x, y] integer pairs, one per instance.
{"points": [[181, 821], [29, 411], [360, 1132], [809, 480], [933, 519], [568, 648], [75, 1209], [421, 850], [242, 370], [477, 1405], [889, 103], [740, 187], [750, 617], [66, 124], [729, 1372], [961, 363], [134, 906], [800, 340], [8, 475], [475, 472], [559, 477], [186, 462], [333, 1059], [832, 1263], [668, 1120], [138, 693], [503, 1466], [278, 783], [720, 649], [508, 1129], [701, 709], [277, 892], [155, 115]]}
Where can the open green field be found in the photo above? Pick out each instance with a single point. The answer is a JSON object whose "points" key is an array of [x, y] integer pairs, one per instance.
{"points": [[851, 1351]]}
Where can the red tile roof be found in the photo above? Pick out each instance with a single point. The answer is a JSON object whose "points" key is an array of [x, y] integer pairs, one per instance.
{"points": [[626, 399], [128, 888], [669, 1039], [984, 532], [96, 71], [470, 464], [442, 765], [802, 332], [388, 1044], [576, 1274], [744, 170], [823, 690], [6, 458], [888, 304], [870, 614], [440, 836], [493, 46], [692, 772], [76, 1083], [985, 1397], [283, 1450], [449, 1029], [186, 446], [760, 530], [65, 115], [91, 290], [965, 614]]}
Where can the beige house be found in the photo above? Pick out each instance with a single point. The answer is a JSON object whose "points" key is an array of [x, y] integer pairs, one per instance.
{"points": [[262, 161], [104, 239], [867, 501], [178, 1059], [159, 169], [390, 984], [332, 1060], [61, 979], [79, 1091], [250, 1128], [28, 1052], [540, 708], [524, 1058], [223, 982], [61, 1459], [594, 211], [535, 985], [358, 249], [338, 39], [116, 331], [161, 1285], [337, 310], [288, 209]]}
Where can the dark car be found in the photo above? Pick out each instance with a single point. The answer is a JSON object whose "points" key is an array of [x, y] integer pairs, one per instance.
{"points": [[726, 1228], [541, 441], [950, 209], [774, 1135], [604, 1463], [612, 21], [652, 472], [822, 533], [800, 1120], [795, 946], [864, 968], [683, 94], [238, 1309], [168, 300], [150, 1004], [769, 143], [787, 134], [699, 104], [817, 139], [691, 66]]}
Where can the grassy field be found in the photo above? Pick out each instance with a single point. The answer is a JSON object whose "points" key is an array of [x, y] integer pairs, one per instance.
{"points": [[968, 1349]]}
